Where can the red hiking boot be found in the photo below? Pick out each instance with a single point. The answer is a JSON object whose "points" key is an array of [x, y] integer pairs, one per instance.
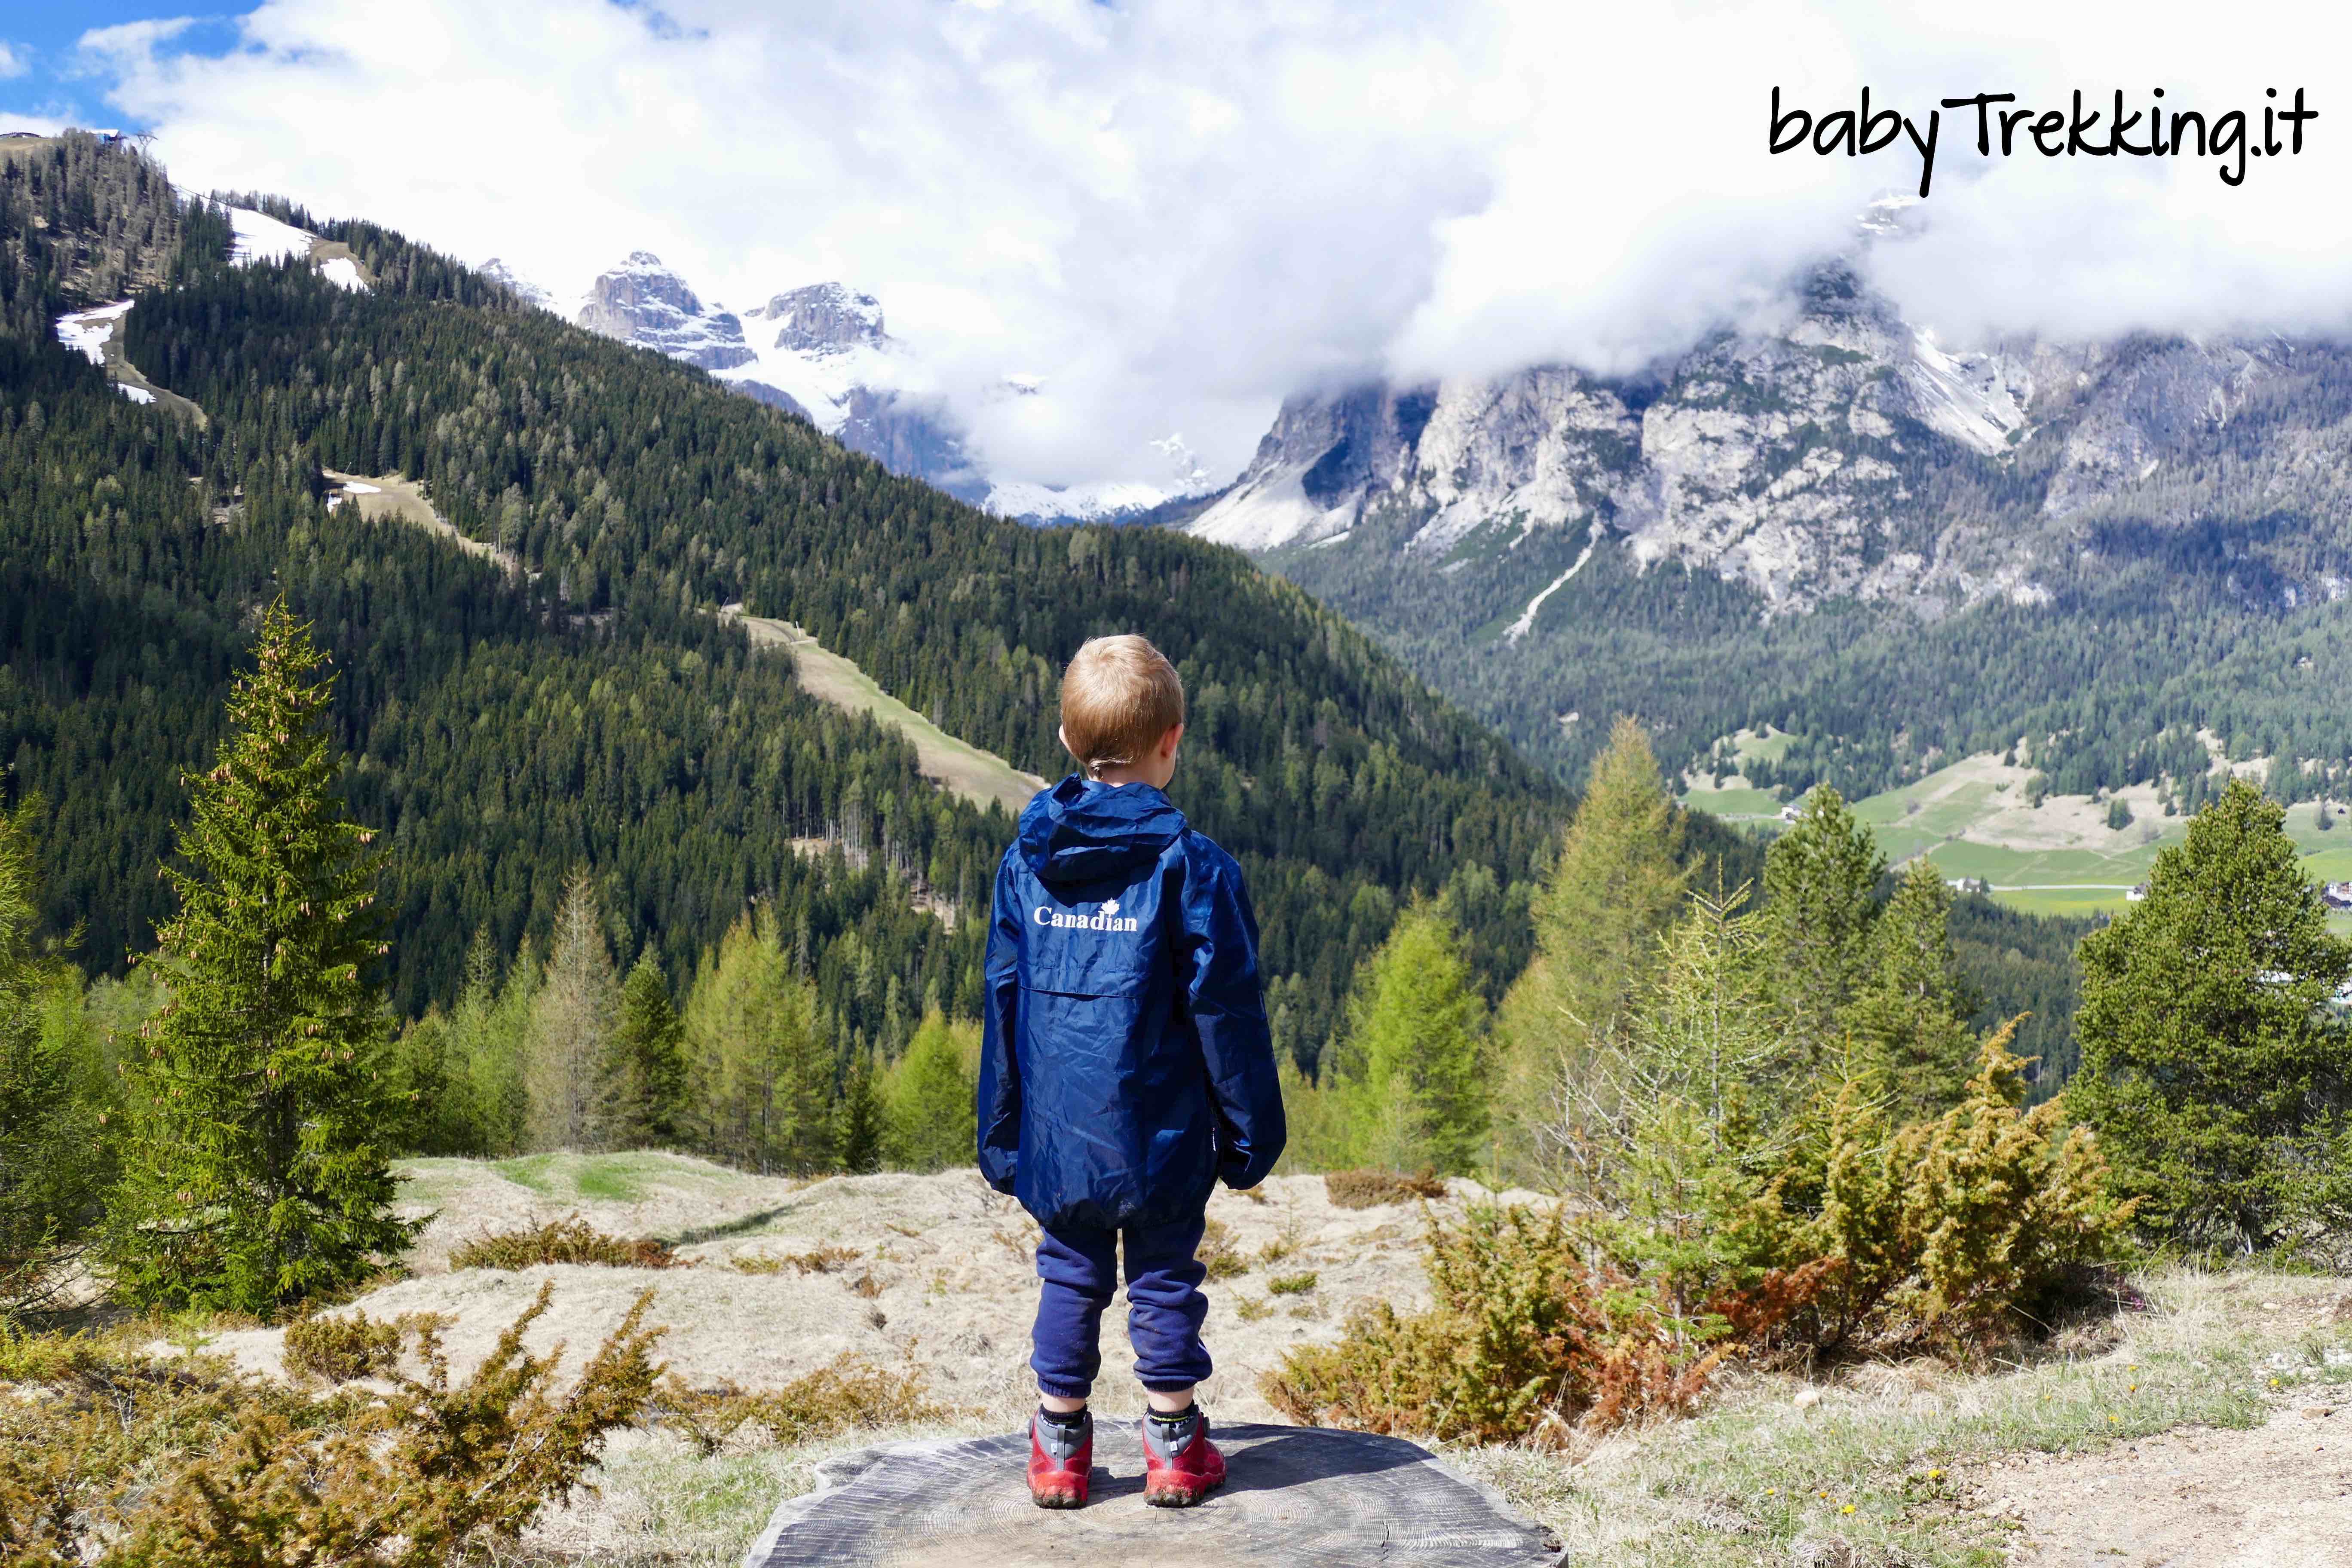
{"points": [[1060, 1460], [1180, 1466]]}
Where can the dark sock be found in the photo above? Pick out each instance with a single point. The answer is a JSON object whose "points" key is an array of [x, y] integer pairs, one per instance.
{"points": [[1069, 1422], [1172, 1419]]}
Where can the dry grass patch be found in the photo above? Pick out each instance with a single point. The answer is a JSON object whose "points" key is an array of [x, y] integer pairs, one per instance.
{"points": [[851, 1395]]}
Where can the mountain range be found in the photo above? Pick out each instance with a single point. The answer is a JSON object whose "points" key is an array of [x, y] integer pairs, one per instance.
{"points": [[820, 351], [1846, 529]]}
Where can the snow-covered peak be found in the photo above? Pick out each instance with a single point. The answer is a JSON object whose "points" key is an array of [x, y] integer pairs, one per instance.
{"points": [[643, 303], [822, 318], [514, 283]]}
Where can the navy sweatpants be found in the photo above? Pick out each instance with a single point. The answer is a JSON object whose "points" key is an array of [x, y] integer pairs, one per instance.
{"points": [[1164, 1306]]}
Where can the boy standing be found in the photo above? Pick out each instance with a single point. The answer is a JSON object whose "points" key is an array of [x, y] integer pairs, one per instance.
{"points": [[1126, 1067]]}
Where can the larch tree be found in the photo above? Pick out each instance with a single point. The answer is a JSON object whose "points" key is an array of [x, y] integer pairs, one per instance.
{"points": [[930, 1114], [256, 1174], [573, 1025], [1611, 893], [1410, 1065], [762, 1078], [2209, 1053], [52, 1158]]}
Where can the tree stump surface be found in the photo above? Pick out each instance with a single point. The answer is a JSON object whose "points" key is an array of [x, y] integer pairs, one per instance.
{"points": [[1294, 1497]]}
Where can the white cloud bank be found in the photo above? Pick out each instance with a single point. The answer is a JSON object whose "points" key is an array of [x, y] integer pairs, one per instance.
{"points": [[1177, 211]]}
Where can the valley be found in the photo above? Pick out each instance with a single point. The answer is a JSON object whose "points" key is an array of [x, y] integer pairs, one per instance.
{"points": [[1975, 820]]}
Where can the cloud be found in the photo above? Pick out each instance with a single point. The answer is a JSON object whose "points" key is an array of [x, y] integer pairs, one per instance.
{"points": [[12, 61], [1178, 211]]}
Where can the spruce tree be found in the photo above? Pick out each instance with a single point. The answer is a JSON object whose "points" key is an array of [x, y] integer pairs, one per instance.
{"points": [[256, 1174], [1410, 1065], [1909, 1016], [1821, 881], [930, 1117], [2209, 1051], [859, 1119], [1611, 893], [647, 1075]]}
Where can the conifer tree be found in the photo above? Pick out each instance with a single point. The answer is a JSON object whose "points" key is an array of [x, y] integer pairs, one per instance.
{"points": [[647, 1075], [761, 1079], [1409, 1063], [573, 1024], [51, 1159], [255, 1175], [1910, 1017], [859, 1119], [1612, 891], [2208, 1053], [929, 1122], [1821, 881]]}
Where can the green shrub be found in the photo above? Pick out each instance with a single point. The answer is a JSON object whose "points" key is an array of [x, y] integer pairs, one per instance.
{"points": [[1369, 1189], [1291, 1284], [1218, 1254], [1523, 1337], [568, 1240], [338, 1350]]}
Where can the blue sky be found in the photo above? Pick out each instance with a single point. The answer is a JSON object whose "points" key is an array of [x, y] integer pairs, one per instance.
{"points": [[48, 82]]}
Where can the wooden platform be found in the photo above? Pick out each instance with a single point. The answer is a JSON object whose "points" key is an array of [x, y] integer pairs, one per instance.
{"points": [[1295, 1498]]}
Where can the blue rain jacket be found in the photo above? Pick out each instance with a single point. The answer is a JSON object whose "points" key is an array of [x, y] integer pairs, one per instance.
{"points": [[1126, 1063]]}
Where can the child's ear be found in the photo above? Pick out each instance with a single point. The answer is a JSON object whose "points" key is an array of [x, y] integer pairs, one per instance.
{"points": [[1168, 742], [1063, 736]]}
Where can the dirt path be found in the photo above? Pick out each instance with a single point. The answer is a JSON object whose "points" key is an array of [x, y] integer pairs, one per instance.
{"points": [[978, 776], [2279, 1495]]}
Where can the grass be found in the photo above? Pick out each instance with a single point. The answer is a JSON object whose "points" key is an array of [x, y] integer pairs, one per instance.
{"points": [[1967, 819], [1742, 1481]]}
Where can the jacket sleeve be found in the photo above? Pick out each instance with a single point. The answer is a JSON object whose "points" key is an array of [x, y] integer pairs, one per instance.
{"points": [[999, 1056], [1220, 980]]}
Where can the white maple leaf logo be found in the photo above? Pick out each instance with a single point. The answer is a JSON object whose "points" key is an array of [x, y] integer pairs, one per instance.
{"points": [[1110, 905]]}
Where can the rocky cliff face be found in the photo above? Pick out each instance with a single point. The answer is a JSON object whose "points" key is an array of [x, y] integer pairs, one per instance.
{"points": [[1851, 457], [643, 303]]}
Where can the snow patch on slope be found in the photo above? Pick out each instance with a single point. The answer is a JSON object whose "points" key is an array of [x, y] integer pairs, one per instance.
{"points": [[261, 237], [1964, 396], [344, 273], [1272, 512], [87, 332], [1526, 620]]}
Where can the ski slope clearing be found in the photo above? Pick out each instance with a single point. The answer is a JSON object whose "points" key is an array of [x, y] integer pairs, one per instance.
{"points": [[96, 334], [980, 777], [258, 238]]}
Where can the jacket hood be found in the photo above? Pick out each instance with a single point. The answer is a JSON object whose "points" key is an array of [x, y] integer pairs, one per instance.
{"points": [[1084, 831]]}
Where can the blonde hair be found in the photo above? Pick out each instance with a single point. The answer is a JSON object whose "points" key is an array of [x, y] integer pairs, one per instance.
{"points": [[1120, 695]]}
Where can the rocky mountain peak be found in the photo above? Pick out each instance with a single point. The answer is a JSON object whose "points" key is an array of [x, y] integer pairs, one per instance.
{"points": [[822, 317], [644, 302]]}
